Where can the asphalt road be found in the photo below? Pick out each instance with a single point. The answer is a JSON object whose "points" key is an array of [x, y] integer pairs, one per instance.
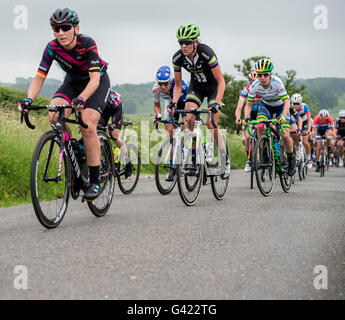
{"points": [[154, 247]]}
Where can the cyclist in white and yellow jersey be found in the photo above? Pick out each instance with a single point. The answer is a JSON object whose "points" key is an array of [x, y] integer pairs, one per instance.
{"points": [[274, 101]]}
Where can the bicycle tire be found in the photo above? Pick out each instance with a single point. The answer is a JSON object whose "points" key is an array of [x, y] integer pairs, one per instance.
{"points": [[300, 168], [49, 196], [322, 165], [100, 206], [161, 169], [188, 194], [127, 185], [219, 185], [286, 181], [261, 143], [252, 162]]}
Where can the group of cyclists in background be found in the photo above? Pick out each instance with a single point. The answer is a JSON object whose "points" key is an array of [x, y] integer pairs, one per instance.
{"points": [[87, 87]]}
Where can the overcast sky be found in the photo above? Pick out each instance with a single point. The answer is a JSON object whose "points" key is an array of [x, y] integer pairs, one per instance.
{"points": [[138, 36]]}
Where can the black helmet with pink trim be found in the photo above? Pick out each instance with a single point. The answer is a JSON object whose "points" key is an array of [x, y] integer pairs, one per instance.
{"points": [[66, 15]]}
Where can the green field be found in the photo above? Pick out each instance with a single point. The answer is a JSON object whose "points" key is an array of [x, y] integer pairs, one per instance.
{"points": [[17, 144]]}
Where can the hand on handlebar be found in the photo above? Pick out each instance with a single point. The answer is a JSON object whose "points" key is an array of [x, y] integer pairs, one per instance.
{"points": [[79, 103], [171, 107], [238, 121], [22, 104], [282, 119], [156, 118], [214, 107]]}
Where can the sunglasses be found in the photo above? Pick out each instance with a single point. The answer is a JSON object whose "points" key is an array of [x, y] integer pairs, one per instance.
{"points": [[165, 84], [263, 74], [63, 27], [342, 117], [185, 42], [296, 104]]}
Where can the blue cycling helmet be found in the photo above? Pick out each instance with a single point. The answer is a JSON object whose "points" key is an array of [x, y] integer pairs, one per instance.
{"points": [[164, 74]]}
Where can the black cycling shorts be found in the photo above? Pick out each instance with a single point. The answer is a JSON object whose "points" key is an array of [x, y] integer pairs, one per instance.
{"points": [[72, 88], [197, 93], [116, 115]]}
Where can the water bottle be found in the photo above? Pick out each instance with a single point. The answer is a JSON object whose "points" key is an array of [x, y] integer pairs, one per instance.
{"points": [[276, 146], [116, 152], [209, 153]]}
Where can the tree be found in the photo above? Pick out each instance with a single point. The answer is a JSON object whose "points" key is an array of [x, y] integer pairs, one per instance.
{"points": [[230, 99], [247, 65], [291, 87]]}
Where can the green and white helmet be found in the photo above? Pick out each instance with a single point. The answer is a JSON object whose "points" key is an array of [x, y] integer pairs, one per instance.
{"points": [[188, 31], [264, 65]]}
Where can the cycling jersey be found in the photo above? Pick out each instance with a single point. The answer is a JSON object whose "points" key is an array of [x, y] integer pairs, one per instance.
{"points": [[303, 111], [200, 67], [244, 96], [113, 109], [77, 63], [323, 123], [340, 126], [293, 114], [167, 97], [273, 95]]}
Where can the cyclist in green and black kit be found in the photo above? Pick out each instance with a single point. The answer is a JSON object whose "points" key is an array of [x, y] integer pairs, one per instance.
{"points": [[207, 81]]}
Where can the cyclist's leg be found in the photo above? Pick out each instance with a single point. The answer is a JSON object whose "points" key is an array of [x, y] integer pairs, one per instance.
{"points": [[341, 148], [263, 114], [194, 100], [294, 134], [117, 119], [63, 96], [91, 115], [305, 140]]}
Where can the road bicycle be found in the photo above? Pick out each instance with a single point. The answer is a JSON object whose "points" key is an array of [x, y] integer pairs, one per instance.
{"points": [[59, 169], [271, 158], [301, 158], [127, 180], [252, 131], [167, 158], [197, 161], [337, 156], [324, 154]]}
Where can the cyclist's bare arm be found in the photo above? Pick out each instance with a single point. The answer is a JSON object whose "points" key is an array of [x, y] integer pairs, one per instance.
{"points": [[35, 86], [92, 86], [299, 123], [178, 86], [218, 75], [286, 107], [309, 122], [238, 111], [157, 108], [247, 109]]}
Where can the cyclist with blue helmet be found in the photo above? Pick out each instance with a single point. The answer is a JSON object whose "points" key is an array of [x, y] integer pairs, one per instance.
{"points": [[163, 88]]}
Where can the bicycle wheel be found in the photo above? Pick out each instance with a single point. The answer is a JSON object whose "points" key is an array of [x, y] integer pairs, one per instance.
{"points": [[100, 206], [162, 168], [49, 192], [264, 165], [285, 180], [128, 184], [304, 165], [322, 164], [189, 174], [219, 185], [300, 169], [252, 162]]}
